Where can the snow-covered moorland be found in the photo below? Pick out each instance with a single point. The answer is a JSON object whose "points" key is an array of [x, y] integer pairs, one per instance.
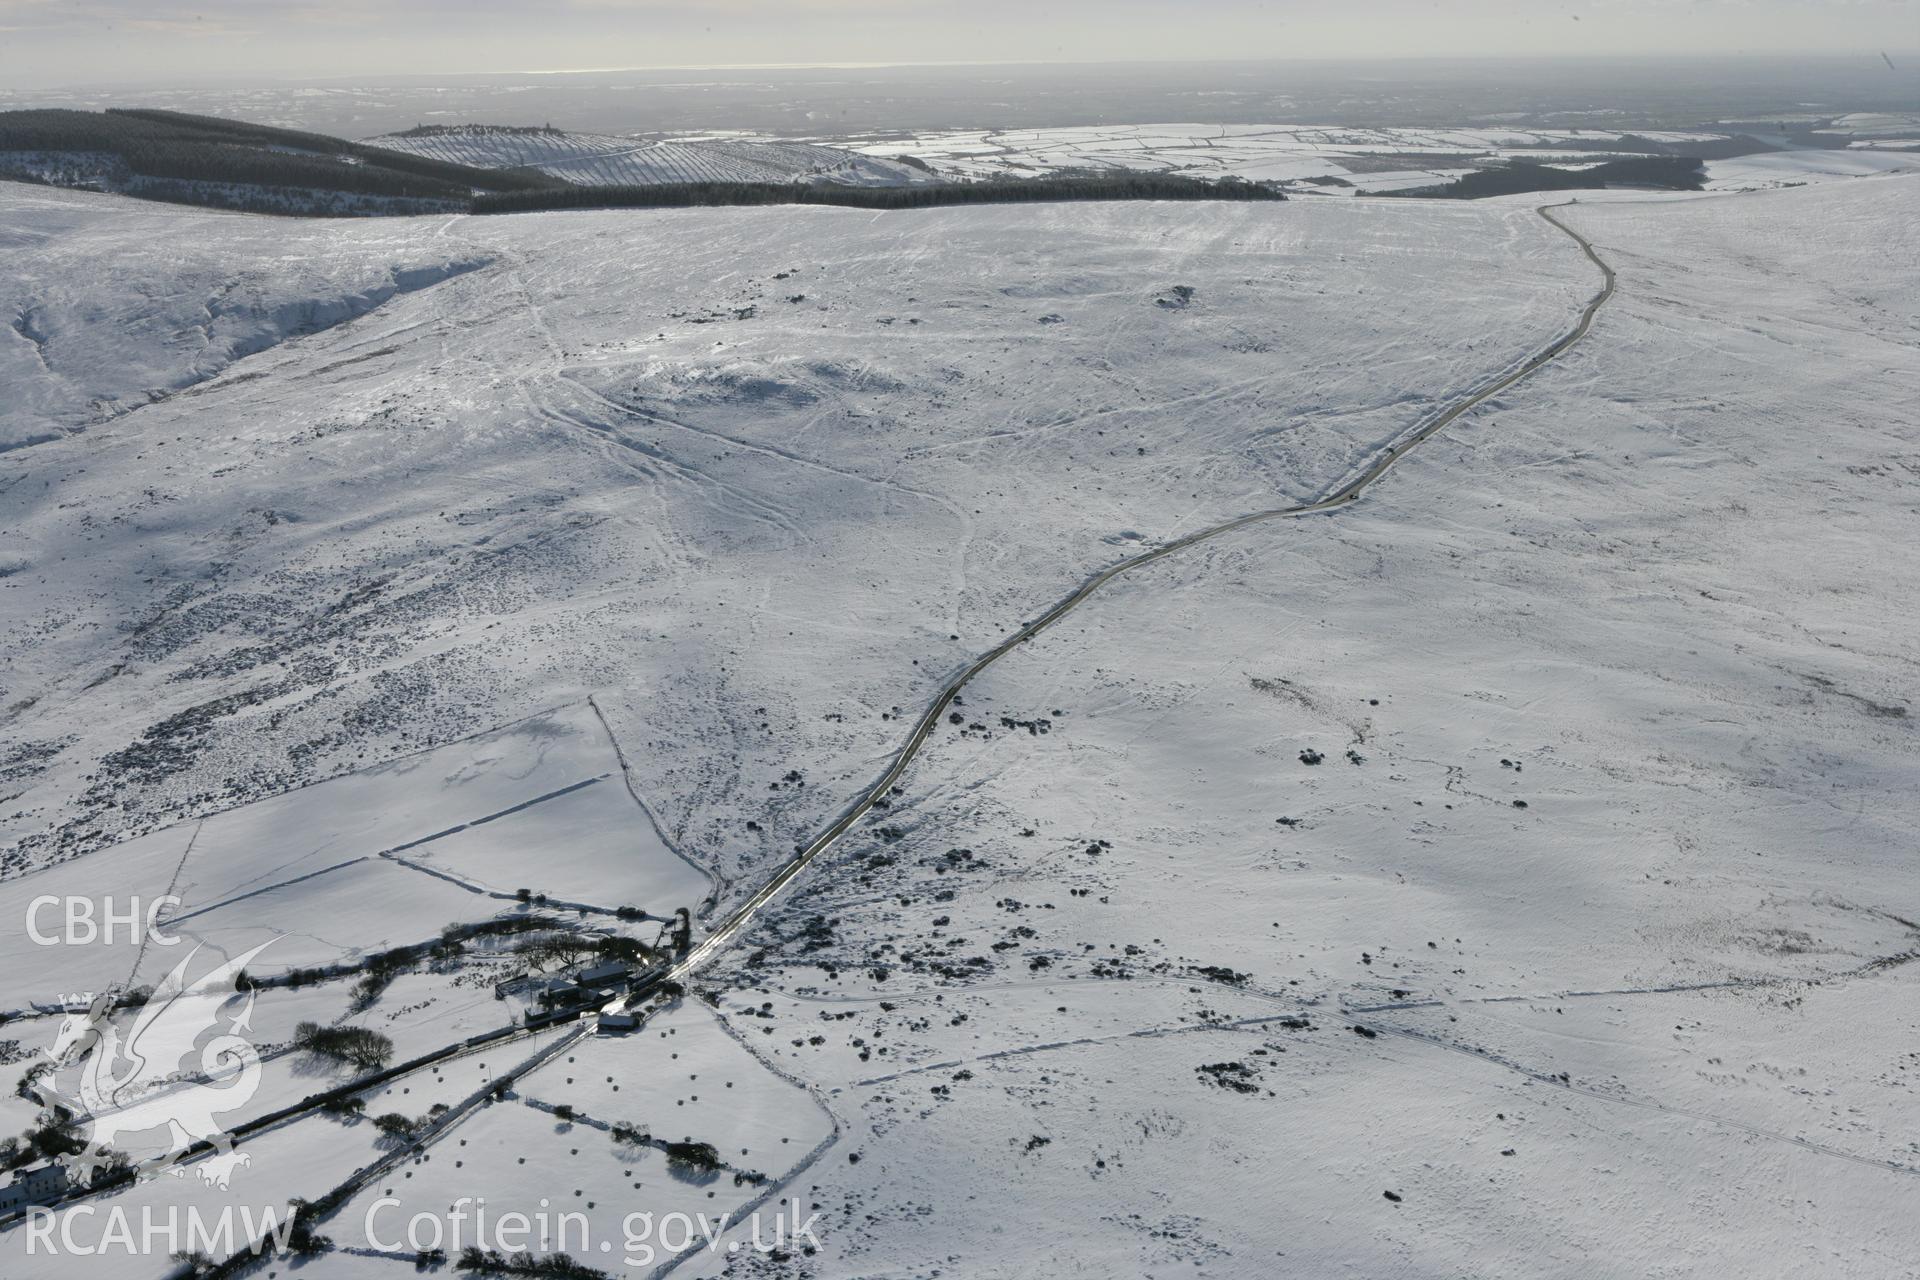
{"points": [[1533, 842], [758, 479], [1508, 874]]}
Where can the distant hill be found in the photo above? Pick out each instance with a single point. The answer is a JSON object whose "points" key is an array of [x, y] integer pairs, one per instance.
{"points": [[606, 160], [206, 160], [230, 164]]}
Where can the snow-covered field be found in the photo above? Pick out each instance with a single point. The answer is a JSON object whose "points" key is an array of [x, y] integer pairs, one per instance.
{"points": [[1307, 159], [1531, 841], [597, 160], [1796, 168], [1334, 159]]}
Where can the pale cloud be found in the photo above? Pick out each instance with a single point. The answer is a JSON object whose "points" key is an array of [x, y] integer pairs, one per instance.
{"points": [[52, 42], [196, 27]]}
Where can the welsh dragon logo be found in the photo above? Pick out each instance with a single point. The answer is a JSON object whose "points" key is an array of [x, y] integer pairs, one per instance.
{"points": [[183, 1062]]}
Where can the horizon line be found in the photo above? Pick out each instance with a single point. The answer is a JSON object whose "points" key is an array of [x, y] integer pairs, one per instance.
{"points": [[1874, 55]]}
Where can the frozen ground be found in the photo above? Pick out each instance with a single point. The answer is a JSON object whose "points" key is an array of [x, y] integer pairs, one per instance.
{"points": [[612, 567]]}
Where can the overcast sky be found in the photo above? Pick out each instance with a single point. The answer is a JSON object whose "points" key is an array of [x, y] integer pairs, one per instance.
{"points": [[61, 42]]}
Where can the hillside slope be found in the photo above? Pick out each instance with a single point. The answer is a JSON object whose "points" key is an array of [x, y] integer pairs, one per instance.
{"points": [[147, 302], [233, 164], [799, 459]]}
